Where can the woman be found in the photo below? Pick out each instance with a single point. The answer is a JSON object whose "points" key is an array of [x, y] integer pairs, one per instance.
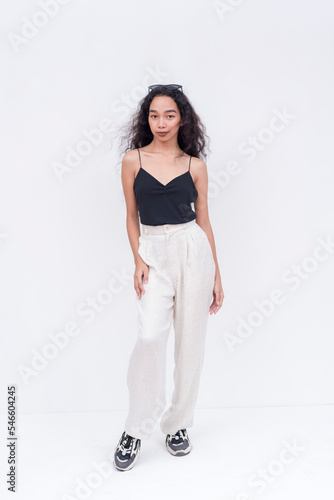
{"points": [[176, 272]]}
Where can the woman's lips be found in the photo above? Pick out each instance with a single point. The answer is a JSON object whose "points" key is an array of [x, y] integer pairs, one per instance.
{"points": [[162, 133]]}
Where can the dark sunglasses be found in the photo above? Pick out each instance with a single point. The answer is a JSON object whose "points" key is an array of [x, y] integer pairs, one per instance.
{"points": [[171, 86]]}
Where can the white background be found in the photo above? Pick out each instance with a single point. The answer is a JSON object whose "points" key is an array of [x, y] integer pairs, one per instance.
{"points": [[63, 238]]}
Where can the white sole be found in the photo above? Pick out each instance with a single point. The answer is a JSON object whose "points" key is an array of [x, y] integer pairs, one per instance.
{"points": [[180, 453]]}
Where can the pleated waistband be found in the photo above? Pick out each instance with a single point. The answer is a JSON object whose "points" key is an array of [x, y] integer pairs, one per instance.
{"points": [[166, 228]]}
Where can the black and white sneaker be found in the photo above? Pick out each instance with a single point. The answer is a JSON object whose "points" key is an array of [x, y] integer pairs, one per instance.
{"points": [[126, 452], [178, 444]]}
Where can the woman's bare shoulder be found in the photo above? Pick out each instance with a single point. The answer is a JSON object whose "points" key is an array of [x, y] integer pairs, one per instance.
{"points": [[197, 161], [130, 156], [198, 167], [130, 164]]}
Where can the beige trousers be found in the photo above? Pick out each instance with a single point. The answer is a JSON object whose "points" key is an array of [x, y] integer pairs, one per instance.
{"points": [[179, 291]]}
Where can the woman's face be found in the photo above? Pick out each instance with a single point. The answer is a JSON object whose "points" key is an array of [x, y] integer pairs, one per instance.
{"points": [[164, 117]]}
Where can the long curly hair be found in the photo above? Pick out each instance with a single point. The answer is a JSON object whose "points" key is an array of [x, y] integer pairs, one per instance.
{"points": [[192, 137]]}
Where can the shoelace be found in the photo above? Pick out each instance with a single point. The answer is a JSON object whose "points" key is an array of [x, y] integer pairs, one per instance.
{"points": [[126, 445], [180, 434]]}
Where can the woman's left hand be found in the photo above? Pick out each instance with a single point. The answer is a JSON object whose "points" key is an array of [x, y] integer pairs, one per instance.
{"points": [[218, 295]]}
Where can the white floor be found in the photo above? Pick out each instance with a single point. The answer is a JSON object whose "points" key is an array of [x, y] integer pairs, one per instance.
{"points": [[238, 454]]}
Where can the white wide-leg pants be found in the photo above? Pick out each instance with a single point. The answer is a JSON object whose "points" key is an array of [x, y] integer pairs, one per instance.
{"points": [[179, 289]]}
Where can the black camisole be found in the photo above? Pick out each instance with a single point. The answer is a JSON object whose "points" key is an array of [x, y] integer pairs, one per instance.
{"points": [[164, 203]]}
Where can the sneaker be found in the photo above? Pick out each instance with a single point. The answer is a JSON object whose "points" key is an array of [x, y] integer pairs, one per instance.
{"points": [[178, 444], [126, 452]]}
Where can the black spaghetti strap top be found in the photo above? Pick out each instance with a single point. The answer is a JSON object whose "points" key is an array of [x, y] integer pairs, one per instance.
{"points": [[164, 203]]}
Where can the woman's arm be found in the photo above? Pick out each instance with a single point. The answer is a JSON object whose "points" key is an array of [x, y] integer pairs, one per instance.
{"points": [[129, 166], [201, 204], [200, 172]]}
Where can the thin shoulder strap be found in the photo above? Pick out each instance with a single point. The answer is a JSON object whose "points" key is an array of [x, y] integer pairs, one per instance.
{"points": [[189, 162], [139, 156]]}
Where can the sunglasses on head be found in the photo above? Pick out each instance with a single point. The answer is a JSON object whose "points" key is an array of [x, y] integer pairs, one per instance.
{"points": [[171, 86]]}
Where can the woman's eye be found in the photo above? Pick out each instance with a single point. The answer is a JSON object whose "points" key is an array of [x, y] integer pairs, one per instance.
{"points": [[154, 116]]}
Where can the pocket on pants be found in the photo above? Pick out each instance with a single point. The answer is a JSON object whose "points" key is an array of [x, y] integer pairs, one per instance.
{"points": [[203, 236], [142, 249]]}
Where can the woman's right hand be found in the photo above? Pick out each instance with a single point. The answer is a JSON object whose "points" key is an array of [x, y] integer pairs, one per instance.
{"points": [[140, 272]]}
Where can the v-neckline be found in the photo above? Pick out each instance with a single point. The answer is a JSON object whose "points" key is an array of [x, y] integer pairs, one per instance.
{"points": [[164, 185]]}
